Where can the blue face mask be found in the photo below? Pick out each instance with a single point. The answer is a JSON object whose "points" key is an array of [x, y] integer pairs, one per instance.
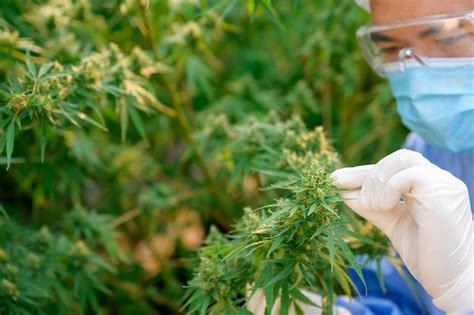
{"points": [[437, 101]]}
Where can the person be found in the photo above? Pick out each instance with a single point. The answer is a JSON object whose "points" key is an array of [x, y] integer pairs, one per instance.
{"points": [[422, 196]]}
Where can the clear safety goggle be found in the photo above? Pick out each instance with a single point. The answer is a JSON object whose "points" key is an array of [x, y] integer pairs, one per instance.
{"points": [[418, 40]]}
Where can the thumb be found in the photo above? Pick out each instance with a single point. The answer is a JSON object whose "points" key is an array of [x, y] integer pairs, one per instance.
{"points": [[382, 220]]}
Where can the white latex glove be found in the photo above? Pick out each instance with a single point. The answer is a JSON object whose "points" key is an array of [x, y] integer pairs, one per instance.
{"points": [[431, 228], [257, 305]]}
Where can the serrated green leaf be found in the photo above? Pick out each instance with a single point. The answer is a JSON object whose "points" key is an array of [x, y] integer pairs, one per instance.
{"points": [[264, 277], [298, 310], [273, 173], [86, 118], [328, 208], [205, 305], [341, 278], [276, 243], [30, 66], [228, 8], [329, 301], [285, 299], [350, 256], [312, 208], [43, 141], [331, 248], [112, 89], [282, 275], [380, 275], [56, 75], [269, 292], [123, 120], [189, 301], [296, 294], [10, 141], [44, 69], [136, 120], [360, 237]]}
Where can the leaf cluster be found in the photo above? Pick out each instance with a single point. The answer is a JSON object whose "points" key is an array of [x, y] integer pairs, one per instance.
{"points": [[304, 240], [56, 96], [163, 118], [53, 272]]}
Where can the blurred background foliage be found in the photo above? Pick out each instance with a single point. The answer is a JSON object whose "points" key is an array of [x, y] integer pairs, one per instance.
{"points": [[106, 114]]}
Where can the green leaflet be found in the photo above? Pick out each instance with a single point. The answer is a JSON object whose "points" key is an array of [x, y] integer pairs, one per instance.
{"points": [[30, 66], [271, 292], [281, 275], [285, 299], [136, 120], [276, 244], [43, 141], [123, 120], [331, 247], [10, 141], [343, 279], [298, 296], [380, 275], [205, 305], [350, 256]]}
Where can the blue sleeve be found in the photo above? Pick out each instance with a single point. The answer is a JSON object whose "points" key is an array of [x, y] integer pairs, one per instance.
{"points": [[401, 296]]}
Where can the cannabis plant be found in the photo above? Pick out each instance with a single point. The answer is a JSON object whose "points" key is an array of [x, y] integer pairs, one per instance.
{"points": [[46, 272], [128, 128], [303, 240]]}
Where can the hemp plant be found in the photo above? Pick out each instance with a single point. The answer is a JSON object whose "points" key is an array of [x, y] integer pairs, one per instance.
{"points": [[56, 272], [55, 95], [304, 240], [129, 127]]}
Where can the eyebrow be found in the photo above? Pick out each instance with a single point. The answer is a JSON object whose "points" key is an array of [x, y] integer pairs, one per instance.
{"points": [[379, 37], [430, 31]]}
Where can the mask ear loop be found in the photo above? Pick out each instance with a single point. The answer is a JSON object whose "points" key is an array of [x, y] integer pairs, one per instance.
{"points": [[409, 53]]}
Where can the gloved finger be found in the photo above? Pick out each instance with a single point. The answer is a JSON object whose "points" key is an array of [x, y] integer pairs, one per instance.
{"points": [[350, 178], [256, 305], [399, 184], [382, 220], [277, 307], [368, 192], [375, 181], [426, 182], [397, 161]]}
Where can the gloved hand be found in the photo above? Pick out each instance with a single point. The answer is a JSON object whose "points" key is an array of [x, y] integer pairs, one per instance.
{"points": [[257, 305], [425, 212]]}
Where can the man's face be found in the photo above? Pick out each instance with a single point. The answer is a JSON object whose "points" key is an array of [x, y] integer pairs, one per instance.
{"points": [[450, 39]]}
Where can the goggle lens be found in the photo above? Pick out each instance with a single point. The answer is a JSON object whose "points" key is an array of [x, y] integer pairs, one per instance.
{"points": [[447, 36]]}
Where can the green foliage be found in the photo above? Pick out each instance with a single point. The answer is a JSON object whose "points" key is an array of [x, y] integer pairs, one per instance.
{"points": [[303, 240], [45, 272], [129, 128]]}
